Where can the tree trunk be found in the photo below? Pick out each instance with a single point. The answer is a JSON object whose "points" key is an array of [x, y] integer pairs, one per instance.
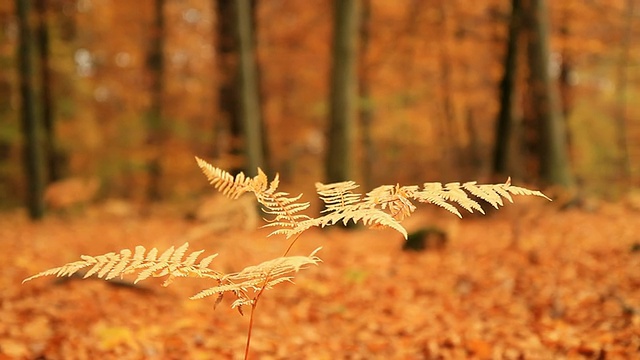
{"points": [[248, 88], [554, 165], [343, 94], [621, 94], [228, 130], [155, 124], [366, 108], [504, 125], [33, 157], [448, 141], [51, 152]]}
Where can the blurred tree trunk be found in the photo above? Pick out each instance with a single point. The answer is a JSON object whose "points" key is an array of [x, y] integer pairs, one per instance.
{"points": [[504, 125], [449, 140], [228, 130], [51, 152], [33, 157], [554, 166], [343, 100], [239, 114], [156, 126], [566, 71], [566, 65], [249, 94], [621, 93], [366, 106]]}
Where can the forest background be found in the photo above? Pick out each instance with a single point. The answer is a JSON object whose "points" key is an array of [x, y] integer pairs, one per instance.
{"points": [[105, 103], [125, 93]]}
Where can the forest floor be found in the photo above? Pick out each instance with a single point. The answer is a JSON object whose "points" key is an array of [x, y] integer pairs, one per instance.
{"points": [[527, 282]]}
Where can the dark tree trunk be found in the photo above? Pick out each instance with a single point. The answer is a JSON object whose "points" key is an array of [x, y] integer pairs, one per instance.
{"points": [[51, 152], [366, 106], [624, 163], [504, 125], [554, 165], [155, 124], [228, 130], [33, 158], [340, 160], [249, 99], [566, 68], [448, 141]]}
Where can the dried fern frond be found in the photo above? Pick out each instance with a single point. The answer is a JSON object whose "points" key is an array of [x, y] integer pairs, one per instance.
{"points": [[367, 215], [225, 182], [384, 206], [436, 194], [388, 205], [285, 209], [395, 199], [337, 195], [171, 262], [260, 277]]}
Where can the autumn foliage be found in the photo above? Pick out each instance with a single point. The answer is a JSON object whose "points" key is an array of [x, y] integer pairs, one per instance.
{"points": [[384, 206], [126, 91], [531, 282]]}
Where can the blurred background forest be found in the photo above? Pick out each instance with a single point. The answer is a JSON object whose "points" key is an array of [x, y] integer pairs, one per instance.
{"points": [[119, 96]]}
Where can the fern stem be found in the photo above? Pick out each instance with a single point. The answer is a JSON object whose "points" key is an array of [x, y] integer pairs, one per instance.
{"points": [[291, 245], [253, 308]]}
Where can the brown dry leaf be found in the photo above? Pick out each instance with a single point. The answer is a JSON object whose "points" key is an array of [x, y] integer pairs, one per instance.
{"points": [[554, 288], [110, 337]]}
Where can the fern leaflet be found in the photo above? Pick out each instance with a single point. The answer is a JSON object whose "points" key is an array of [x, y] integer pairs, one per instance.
{"points": [[111, 265], [286, 210], [259, 277]]}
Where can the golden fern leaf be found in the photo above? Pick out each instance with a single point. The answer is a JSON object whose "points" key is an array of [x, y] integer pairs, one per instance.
{"points": [[260, 182], [387, 205], [455, 192], [365, 213], [111, 265], [384, 206], [337, 195], [516, 190], [395, 199], [435, 194], [262, 276], [286, 210], [487, 193], [225, 182]]}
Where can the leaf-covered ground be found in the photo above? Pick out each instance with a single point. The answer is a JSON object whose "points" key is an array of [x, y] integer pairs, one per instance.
{"points": [[519, 284]]}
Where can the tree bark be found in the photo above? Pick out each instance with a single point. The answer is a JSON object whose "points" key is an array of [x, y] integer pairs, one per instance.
{"points": [[249, 98], [504, 125], [621, 93], [31, 123], [52, 156], [228, 130], [448, 142], [343, 94], [155, 124], [366, 108], [554, 165]]}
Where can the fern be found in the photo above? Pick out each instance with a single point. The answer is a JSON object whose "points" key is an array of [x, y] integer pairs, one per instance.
{"points": [[258, 278], [338, 195], [108, 266], [285, 210], [384, 206], [223, 181]]}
